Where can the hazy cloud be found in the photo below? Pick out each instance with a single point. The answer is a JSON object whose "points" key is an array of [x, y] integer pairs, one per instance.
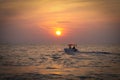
{"points": [[81, 20]]}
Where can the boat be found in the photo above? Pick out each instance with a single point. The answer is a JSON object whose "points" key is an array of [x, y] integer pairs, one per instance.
{"points": [[72, 49]]}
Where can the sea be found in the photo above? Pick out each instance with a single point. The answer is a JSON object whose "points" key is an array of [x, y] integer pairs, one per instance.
{"points": [[50, 62]]}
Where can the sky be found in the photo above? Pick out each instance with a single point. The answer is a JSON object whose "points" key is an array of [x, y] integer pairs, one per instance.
{"points": [[80, 21]]}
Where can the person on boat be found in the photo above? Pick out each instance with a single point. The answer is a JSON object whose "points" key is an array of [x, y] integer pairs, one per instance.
{"points": [[70, 46], [74, 48]]}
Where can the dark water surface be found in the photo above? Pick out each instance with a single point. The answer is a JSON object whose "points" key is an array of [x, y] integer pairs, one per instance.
{"points": [[50, 62]]}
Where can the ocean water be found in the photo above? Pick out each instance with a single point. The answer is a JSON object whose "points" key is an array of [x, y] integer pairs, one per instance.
{"points": [[50, 62]]}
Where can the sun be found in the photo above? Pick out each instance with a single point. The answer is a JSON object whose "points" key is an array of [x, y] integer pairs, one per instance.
{"points": [[58, 33]]}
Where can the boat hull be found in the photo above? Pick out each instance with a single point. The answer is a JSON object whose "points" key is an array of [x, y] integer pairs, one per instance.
{"points": [[70, 51]]}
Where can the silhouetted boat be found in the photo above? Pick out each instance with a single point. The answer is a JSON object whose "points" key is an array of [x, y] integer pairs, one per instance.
{"points": [[72, 49]]}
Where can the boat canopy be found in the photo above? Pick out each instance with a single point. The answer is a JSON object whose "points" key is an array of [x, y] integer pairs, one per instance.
{"points": [[72, 44]]}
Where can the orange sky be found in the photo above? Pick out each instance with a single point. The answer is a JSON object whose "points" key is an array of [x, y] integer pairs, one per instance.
{"points": [[79, 20]]}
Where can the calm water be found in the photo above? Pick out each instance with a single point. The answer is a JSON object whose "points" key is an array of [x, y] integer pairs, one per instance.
{"points": [[50, 62]]}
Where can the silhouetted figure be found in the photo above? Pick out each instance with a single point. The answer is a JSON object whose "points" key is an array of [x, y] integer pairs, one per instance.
{"points": [[69, 46], [74, 48]]}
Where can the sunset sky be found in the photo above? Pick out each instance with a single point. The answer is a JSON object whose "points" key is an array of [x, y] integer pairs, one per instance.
{"points": [[80, 21]]}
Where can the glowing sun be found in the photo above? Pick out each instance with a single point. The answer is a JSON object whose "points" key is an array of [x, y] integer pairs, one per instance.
{"points": [[58, 33]]}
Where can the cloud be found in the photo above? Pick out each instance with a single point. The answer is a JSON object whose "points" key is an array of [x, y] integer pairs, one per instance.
{"points": [[24, 18]]}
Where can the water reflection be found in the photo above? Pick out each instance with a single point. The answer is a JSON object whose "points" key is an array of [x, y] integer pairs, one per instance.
{"points": [[36, 60]]}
